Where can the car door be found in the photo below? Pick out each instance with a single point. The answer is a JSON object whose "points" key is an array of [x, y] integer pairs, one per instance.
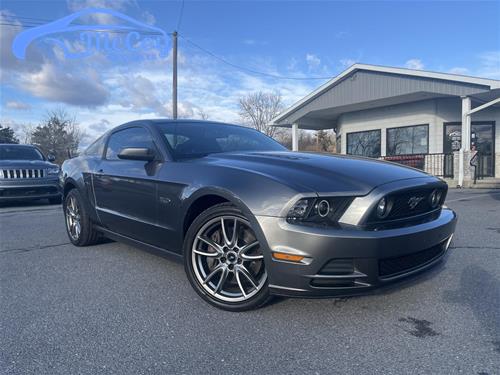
{"points": [[126, 190]]}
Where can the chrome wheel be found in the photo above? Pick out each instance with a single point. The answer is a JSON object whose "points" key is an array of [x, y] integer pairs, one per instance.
{"points": [[73, 218], [227, 259]]}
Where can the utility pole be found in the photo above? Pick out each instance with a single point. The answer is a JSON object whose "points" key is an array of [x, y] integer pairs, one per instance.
{"points": [[174, 75]]}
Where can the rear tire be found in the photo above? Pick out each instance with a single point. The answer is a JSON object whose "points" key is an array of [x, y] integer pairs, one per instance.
{"points": [[81, 231], [223, 260]]}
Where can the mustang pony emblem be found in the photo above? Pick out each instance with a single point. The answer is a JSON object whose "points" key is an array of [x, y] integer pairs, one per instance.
{"points": [[414, 201]]}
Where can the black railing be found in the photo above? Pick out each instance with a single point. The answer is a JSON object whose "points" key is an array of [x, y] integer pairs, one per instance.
{"points": [[437, 164]]}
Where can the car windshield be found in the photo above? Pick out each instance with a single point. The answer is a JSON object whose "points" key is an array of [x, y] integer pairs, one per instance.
{"points": [[19, 153], [197, 139]]}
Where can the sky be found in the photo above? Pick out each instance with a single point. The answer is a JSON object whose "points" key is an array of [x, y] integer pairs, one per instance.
{"points": [[267, 41]]}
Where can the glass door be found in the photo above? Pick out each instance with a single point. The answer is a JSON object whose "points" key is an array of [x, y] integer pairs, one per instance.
{"points": [[482, 140]]}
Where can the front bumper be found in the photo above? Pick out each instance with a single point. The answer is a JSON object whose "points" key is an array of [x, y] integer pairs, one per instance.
{"points": [[342, 262], [29, 189]]}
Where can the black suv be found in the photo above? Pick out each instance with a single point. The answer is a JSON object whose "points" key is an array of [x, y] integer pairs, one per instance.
{"points": [[25, 173]]}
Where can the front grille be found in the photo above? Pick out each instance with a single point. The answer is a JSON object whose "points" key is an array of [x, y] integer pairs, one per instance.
{"points": [[394, 266], [408, 204], [401, 204], [22, 173]]}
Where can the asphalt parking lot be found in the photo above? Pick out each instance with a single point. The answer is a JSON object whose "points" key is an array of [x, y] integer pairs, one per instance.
{"points": [[114, 309]]}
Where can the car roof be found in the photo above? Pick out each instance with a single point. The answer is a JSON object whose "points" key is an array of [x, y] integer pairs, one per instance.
{"points": [[178, 121]]}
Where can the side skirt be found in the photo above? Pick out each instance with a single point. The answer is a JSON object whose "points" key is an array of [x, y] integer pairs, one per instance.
{"points": [[139, 244]]}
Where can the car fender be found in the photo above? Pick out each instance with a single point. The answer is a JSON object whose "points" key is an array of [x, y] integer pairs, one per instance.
{"points": [[234, 199]]}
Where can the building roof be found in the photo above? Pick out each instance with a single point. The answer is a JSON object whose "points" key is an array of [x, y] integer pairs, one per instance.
{"points": [[377, 86]]}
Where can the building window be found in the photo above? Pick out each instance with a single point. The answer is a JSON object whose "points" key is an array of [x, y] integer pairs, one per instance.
{"points": [[364, 143], [338, 144], [408, 140]]}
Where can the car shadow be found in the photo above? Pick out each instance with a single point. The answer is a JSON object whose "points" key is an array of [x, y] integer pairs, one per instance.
{"points": [[26, 203], [495, 195]]}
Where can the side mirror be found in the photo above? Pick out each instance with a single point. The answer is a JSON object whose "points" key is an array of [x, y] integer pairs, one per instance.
{"points": [[51, 158], [137, 153]]}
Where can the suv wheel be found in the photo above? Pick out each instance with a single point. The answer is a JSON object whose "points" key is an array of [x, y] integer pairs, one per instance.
{"points": [[224, 261]]}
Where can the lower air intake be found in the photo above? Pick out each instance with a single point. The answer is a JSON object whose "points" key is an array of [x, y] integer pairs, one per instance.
{"points": [[394, 266]]}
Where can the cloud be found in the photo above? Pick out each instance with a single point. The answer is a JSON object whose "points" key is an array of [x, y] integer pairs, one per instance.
{"points": [[313, 61], [254, 42], [346, 63], [489, 64], [341, 34], [12, 104], [82, 88], [118, 5], [416, 64], [139, 93], [9, 28], [459, 70]]}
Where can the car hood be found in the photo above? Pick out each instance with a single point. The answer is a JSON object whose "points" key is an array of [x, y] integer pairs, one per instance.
{"points": [[321, 173], [26, 164]]}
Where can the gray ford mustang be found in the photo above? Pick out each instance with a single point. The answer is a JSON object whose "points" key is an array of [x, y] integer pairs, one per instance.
{"points": [[252, 219]]}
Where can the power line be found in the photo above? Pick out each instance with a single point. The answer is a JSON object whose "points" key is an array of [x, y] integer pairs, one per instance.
{"points": [[30, 24], [181, 13], [249, 70]]}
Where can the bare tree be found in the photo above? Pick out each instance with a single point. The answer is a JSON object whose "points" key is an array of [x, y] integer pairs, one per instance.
{"points": [[259, 108], [324, 140], [202, 115], [58, 134], [27, 131]]}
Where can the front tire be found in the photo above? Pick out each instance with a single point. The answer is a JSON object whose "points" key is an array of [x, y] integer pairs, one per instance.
{"points": [[224, 261], [79, 227]]}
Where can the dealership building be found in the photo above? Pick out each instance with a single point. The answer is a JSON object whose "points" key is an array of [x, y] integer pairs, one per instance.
{"points": [[445, 124]]}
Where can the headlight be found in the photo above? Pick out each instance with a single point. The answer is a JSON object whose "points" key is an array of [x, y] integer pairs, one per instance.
{"points": [[299, 210], [323, 208], [318, 210], [435, 198], [53, 171], [382, 208]]}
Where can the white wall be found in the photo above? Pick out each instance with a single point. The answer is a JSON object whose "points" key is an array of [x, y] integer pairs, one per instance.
{"points": [[416, 113]]}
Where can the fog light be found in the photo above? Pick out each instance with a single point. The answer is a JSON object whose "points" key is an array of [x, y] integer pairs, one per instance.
{"points": [[435, 198], [382, 208], [287, 257]]}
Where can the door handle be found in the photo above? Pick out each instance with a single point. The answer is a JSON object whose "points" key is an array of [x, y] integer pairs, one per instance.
{"points": [[99, 171]]}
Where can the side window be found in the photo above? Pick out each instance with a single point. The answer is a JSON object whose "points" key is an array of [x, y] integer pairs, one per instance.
{"points": [[131, 137], [96, 148]]}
